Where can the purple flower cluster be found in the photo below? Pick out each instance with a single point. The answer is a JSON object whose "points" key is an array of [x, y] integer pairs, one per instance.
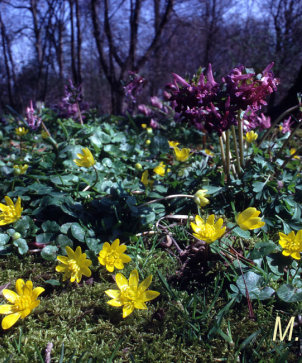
{"points": [[211, 106], [156, 114], [134, 86], [72, 94], [72, 103], [33, 121]]}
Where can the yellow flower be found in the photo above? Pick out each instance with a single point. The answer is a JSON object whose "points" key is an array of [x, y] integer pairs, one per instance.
{"points": [[200, 198], [113, 256], [131, 295], [85, 159], [44, 134], [10, 212], [251, 136], [145, 179], [144, 126], [181, 154], [292, 151], [23, 302], [74, 265], [138, 166], [248, 219], [292, 244], [173, 144], [20, 131], [208, 231], [209, 152], [161, 169], [148, 142], [19, 169]]}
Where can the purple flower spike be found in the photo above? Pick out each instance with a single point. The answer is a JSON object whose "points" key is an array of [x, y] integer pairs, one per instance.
{"points": [[286, 125], [33, 120]]}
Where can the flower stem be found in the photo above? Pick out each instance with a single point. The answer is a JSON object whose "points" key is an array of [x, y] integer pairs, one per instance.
{"points": [[228, 153], [222, 153], [236, 149], [80, 114], [240, 136], [96, 180], [168, 197]]}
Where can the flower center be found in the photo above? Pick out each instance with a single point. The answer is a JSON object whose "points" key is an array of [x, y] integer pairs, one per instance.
{"points": [[22, 303], [129, 294], [111, 257], [73, 266], [208, 231]]}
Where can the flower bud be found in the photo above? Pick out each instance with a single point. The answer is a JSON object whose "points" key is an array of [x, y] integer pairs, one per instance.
{"points": [[138, 166], [16, 235], [148, 142], [149, 131], [200, 198]]}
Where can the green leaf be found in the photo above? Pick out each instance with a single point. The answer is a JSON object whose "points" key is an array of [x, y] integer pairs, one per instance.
{"points": [[258, 186], [53, 282], [277, 263], [254, 284], [62, 240], [45, 237], [289, 294], [22, 245], [211, 189], [50, 226], [78, 232], [241, 233], [262, 249], [4, 238], [22, 225], [49, 253], [93, 244], [65, 227]]}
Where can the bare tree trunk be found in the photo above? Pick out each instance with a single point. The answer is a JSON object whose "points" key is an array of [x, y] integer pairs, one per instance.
{"points": [[79, 42], [115, 67], [38, 44], [8, 72], [72, 51]]}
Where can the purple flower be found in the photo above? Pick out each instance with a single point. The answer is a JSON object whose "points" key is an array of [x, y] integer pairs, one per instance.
{"points": [[212, 106], [154, 124], [156, 102], [134, 86], [72, 93], [145, 110], [33, 120], [286, 126]]}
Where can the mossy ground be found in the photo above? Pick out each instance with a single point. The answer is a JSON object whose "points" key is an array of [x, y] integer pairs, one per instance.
{"points": [[176, 326]]}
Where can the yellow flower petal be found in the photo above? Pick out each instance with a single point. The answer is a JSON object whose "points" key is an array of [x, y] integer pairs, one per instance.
{"points": [[133, 279], [128, 309], [150, 295], [114, 294], [10, 320], [19, 286], [10, 295], [6, 309], [121, 281]]}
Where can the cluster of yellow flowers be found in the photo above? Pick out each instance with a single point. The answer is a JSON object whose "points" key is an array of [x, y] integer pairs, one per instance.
{"points": [[130, 295], [209, 231]]}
